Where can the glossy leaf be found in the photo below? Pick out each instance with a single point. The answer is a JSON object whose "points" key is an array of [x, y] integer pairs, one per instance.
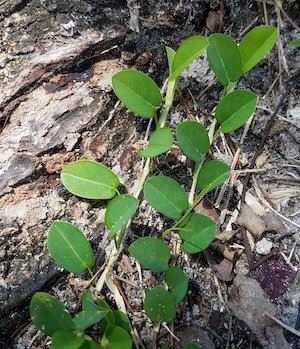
{"points": [[109, 318], [212, 174], [193, 140], [186, 53], [197, 232], [69, 248], [89, 179], [224, 58], [160, 141], [164, 346], [151, 253], [49, 315], [235, 109], [85, 319], [121, 320], [295, 43], [160, 305], [118, 213], [116, 338], [193, 346], [170, 55], [88, 303], [67, 340], [256, 44], [177, 282], [137, 91], [166, 196]]}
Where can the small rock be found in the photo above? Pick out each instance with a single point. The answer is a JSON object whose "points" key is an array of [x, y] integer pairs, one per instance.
{"points": [[263, 246]]}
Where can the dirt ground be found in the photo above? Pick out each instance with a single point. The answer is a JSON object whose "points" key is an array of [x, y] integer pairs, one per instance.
{"points": [[56, 106]]}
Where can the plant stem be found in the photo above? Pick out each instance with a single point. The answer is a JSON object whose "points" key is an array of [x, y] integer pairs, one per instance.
{"points": [[146, 170], [187, 212], [169, 101], [144, 175], [198, 166]]}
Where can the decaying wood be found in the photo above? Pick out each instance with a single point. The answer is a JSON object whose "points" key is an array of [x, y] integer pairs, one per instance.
{"points": [[52, 114]]}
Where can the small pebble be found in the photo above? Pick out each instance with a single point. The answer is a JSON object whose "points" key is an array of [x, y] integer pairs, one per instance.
{"points": [[263, 246]]}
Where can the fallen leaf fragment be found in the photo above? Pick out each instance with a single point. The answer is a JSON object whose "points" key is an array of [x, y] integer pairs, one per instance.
{"points": [[222, 269], [193, 334], [274, 277], [251, 221], [258, 224], [249, 303]]}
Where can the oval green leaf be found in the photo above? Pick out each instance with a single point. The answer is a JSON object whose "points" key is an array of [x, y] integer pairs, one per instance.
{"points": [[137, 91], [85, 319], [193, 140], [166, 196], [151, 253], [256, 44], [69, 248], [295, 43], [67, 340], [197, 233], [177, 282], [49, 315], [122, 320], [160, 305], [90, 180], [224, 58], [193, 346], [186, 53], [212, 174], [118, 213], [235, 109], [116, 338], [170, 55], [88, 303], [160, 141], [109, 318]]}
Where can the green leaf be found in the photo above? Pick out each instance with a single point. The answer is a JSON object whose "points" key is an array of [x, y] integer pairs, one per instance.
{"points": [[193, 140], [166, 196], [177, 282], [122, 320], [91, 344], [164, 346], [109, 318], [186, 53], [118, 213], [193, 346], [151, 253], [170, 55], [235, 109], [160, 305], [69, 248], [49, 315], [224, 58], [67, 340], [160, 141], [88, 302], [256, 44], [85, 319], [295, 43], [89, 179], [212, 174], [137, 91], [116, 338], [197, 232]]}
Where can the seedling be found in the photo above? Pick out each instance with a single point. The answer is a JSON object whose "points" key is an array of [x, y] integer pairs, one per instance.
{"points": [[69, 247]]}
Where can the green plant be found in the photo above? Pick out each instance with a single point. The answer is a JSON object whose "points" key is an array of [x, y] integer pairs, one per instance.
{"points": [[88, 179]]}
